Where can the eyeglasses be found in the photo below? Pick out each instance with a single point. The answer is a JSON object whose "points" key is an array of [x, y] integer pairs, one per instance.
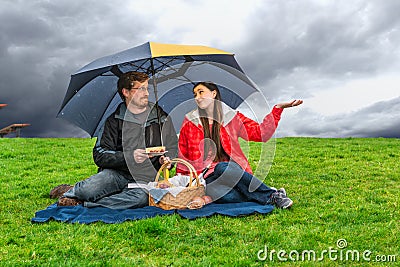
{"points": [[141, 88]]}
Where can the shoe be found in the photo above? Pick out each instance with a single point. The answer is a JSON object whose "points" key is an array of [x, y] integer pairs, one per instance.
{"points": [[280, 199], [59, 190], [282, 191], [66, 201]]}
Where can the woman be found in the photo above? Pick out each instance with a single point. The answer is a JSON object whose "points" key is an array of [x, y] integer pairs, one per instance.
{"points": [[210, 137]]}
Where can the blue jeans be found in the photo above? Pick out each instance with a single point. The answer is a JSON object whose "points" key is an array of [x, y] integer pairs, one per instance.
{"points": [[229, 183], [108, 188]]}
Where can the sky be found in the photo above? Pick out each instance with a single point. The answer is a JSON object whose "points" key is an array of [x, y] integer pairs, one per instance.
{"points": [[341, 57]]}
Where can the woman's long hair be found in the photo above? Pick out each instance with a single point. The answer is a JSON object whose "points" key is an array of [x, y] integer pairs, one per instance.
{"points": [[214, 134]]}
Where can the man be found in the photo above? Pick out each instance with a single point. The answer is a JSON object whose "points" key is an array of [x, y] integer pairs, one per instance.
{"points": [[120, 151]]}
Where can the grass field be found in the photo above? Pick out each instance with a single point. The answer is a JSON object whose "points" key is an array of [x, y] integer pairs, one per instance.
{"points": [[343, 189]]}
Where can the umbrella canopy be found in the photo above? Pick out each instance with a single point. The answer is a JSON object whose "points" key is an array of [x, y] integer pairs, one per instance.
{"points": [[176, 93], [92, 92]]}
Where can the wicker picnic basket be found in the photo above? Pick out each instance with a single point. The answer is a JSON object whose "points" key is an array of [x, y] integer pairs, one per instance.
{"points": [[181, 201]]}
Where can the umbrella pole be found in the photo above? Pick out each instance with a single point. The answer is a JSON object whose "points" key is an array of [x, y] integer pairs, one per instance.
{"points": [[156, 98]]}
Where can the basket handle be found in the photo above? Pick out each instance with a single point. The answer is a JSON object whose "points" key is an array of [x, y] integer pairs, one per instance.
{"points": [[192, 174]]}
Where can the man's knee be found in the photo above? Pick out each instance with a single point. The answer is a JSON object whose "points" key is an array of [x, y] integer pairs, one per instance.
{"points": [[97, 186]]}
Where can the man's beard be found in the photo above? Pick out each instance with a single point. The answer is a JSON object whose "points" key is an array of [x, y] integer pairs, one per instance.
{"points": [[141, 103]]}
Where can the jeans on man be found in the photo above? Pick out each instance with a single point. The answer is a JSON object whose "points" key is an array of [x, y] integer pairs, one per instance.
{"points": [[108, 188]]}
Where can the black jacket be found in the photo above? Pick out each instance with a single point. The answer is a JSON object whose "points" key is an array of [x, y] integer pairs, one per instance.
{"points": [[122, 134]]}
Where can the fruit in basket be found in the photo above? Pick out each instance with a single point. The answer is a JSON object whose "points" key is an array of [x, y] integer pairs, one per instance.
{"points": [[207, 199], [164, 184]]}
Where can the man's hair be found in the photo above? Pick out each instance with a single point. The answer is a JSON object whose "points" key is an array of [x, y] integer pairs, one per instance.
{"points": [[126, 80]]}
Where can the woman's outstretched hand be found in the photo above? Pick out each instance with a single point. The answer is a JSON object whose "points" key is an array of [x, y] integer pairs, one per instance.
{"points": [[294, 103]]}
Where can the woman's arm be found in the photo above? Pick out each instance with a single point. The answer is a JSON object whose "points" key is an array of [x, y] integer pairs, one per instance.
{"points": [[293, 103], [253, 131]]}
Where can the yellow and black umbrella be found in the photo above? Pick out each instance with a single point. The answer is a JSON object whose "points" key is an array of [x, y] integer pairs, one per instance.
{"points": [[92, 92]]}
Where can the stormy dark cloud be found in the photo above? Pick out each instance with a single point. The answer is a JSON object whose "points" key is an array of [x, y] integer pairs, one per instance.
{"points": [[334, 40], [291, 49], [378, 120], [42, 43]]}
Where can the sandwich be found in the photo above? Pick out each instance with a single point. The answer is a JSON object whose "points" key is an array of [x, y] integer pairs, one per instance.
{"points": [[155, 149]]}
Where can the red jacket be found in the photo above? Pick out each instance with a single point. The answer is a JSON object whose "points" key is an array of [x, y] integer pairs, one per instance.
{"points": [[235, 125]]}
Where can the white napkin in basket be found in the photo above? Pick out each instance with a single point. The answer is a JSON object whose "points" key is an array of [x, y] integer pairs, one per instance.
{"points": [[179, 181]]}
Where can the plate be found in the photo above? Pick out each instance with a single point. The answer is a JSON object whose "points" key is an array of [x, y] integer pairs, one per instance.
{"points": [[156, 153]]}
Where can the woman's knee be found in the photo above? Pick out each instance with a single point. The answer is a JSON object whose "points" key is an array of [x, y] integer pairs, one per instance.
{"points": [[229, 168], [220, 168]]}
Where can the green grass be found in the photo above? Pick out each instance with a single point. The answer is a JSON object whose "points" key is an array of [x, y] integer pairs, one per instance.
{"points": [[342, 189]]}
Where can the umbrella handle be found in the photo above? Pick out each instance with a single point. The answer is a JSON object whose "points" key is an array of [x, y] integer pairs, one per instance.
{"points": [[153, 73]]}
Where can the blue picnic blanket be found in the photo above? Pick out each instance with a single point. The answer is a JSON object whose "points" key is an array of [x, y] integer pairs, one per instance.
{"points": [[83, 215]]}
